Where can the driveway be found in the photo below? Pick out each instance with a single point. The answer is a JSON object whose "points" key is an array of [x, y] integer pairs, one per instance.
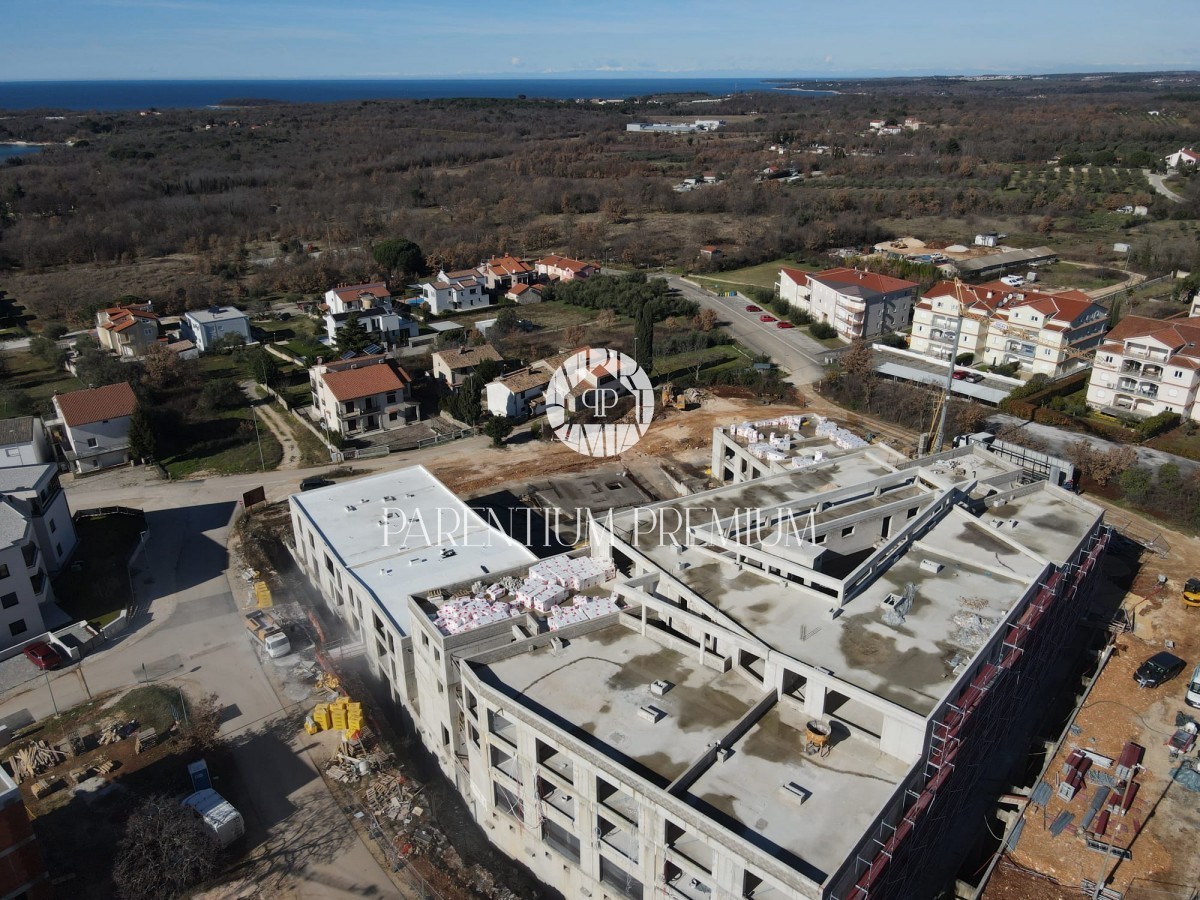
{"points": [[793, 349], [1156, 182]]}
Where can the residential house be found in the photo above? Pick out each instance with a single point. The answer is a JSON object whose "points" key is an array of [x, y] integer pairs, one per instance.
{"points": [[454, 292], [792, 286], [518, 394], [502, 272], [525, 293], [453, 367], [711, 252], [95, 425], [1148, 366], [359, 396], [127, 330], [386, 327], [860, 304], [36, 492], [206, 327], [358, 297], [1049, 334], [1183, 157], [565, 269], [23, 442]]}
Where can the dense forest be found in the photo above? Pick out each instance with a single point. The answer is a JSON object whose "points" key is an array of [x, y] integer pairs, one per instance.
{"points": [[252, 192]]}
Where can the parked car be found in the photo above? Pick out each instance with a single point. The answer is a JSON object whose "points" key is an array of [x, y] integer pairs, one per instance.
{"points": [[752, 308], [784, 325], [43, 655], [1192, 697], [312, 482], [974, 377], [959, 374], [1158, 669], [767, 319]]}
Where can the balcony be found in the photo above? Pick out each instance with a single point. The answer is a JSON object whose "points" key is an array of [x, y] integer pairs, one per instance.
{"points": [[31, 554], [618, 839], [1148, 390], [557, 798], [1152, 373], [1020, 349], [1131, 366], [1127, 384], [1145, 353]]}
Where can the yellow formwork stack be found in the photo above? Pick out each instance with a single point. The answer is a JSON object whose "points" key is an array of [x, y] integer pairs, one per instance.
{"points": [[342, 714], [262, 595]]}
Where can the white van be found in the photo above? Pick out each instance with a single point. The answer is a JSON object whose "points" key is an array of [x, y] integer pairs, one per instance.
{"points": [[218, 814], [1192, 697]]}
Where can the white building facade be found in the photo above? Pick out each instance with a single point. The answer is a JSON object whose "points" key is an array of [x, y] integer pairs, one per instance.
{"points": [[95, 425], [205, 327], [1148, 366], [859, 304], [23, 442]]}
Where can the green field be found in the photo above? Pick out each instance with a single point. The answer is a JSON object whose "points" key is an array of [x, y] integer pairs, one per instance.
{"points": [[226, 444], [25, 373], [764, 275], [710, 359]]}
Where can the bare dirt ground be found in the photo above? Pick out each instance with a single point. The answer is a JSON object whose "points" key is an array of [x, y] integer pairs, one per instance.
{"points": [[1162, 828], [468, 468], [272, 419]]}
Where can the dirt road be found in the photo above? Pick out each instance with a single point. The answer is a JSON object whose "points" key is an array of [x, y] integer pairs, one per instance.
{"points": [[271, 417]]}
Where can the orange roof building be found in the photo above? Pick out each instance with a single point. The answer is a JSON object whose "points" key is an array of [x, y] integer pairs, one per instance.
{"points": [[95, 422], [361, 395]]}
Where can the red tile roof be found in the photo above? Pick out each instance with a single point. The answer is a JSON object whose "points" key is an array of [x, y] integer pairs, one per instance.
{"points": [[96, 404], [883, 284], [1181, 335], [797, 276], [562, 262], [353, 291], [508, 265], [366, 381]]}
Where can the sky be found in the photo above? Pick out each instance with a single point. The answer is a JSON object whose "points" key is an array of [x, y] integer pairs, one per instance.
{"points": [[212, 39]]}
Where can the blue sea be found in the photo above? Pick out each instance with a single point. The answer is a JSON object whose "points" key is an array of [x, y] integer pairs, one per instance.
{"points": [[118, 95]]}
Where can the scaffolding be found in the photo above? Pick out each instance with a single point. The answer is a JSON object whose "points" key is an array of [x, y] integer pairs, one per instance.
{"points": [[905, 843]]}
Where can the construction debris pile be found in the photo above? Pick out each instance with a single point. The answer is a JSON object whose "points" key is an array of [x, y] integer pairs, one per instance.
{"points": [[35, 758], [394, 797], [971, 630], [753, 432], [581, 609]]}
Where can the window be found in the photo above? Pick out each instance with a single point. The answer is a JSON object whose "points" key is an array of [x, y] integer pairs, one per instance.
{"points": [[58, 549], [847, 531], [391, 397], [53, 526], [8, 601], [18, 627], [3, 570], [445, 737], [91, 442]]}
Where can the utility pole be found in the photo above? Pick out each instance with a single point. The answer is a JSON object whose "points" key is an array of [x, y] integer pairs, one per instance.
{"points": [[258, 438]]}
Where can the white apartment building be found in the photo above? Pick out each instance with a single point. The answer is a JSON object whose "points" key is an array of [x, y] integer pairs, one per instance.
{"points": [[1046, 333], [1148, 366], [454, 292], [95, 425], [637, 722], [37, 493], [206, 327], [362, 395], [385, 326], [859, 304]]}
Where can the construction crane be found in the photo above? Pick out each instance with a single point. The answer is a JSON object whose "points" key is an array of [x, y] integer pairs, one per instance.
{"points": [[940, 435]]}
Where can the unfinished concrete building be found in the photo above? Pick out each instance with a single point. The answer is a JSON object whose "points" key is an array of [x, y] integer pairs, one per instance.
{"points": [[781, 687]]}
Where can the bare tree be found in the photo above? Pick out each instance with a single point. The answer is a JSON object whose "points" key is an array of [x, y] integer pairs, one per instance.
{"points": [[165, 850], [203, 732]]}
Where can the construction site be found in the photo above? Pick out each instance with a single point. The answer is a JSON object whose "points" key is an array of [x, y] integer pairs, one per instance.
{"points": [[798, 687]]}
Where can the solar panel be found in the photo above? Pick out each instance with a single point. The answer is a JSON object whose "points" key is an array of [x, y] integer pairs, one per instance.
{"points": [[372, 349], [349, 354]]}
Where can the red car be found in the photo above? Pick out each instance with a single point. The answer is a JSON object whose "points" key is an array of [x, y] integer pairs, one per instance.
{"points": [[43, 655], [753, 308], [784, 325], [767, 319], [959, 374]]}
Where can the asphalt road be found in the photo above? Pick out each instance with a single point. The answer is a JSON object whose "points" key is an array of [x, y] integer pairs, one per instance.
{"points": [[1156, 182], [793, 349]]}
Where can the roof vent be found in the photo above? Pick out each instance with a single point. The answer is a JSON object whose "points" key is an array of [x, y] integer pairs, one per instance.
{"points": [[351, 508]]}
